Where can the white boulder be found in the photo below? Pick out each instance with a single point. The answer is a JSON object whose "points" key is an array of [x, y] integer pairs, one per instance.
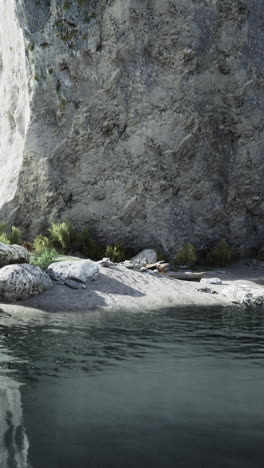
{"points": [[128, 264], [106, 262], [211, 281], [78, 270], [146, 256], [22, 281], [244, 295], [12, 254]]}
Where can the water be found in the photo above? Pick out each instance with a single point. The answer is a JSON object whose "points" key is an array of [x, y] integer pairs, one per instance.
{"points": [[176, 388]]}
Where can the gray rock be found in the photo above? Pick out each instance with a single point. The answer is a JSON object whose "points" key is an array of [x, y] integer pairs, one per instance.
{"points": [[146, 138], [204, 290], [78, 270], [106, 262], [244, 295], [207, 290], [12, 254], [211, 281], [144, 257], [72, 284], [129, 264], [256, 264], [22, 281]]}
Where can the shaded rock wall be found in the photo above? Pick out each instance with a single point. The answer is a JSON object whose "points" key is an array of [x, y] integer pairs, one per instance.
{"points": [[146, 120]]}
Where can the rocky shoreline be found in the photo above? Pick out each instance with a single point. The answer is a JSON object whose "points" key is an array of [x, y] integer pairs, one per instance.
{"points": [[82, 285]]}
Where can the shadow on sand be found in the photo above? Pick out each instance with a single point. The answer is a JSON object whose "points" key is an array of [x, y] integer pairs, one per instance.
{"points": [[60, 298]]}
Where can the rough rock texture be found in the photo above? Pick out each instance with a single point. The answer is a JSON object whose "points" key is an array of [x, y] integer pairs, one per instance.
{"points": [[79, 270], [144, 257], [10, 254], [244, 295], [211, 281], [140, 118], [22, 282]]}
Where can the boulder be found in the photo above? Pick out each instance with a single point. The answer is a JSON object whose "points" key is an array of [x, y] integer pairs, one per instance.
{"points": [[78, 270], [13, 254], [22, 281], [128, 264], [106, 262], [244, 295], [145, 257], [211, 281]]}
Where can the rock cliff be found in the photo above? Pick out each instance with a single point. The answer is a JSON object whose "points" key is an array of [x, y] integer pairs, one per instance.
{"points": [[140, 118]]}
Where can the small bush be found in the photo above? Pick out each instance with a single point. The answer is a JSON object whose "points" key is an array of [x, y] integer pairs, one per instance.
{"points": [[40, 243], [62, 236], [15, 236], [44, 258], [4, 239], [187, 255], [116, 252], [7, 236], [3, 228], [220, 255]]}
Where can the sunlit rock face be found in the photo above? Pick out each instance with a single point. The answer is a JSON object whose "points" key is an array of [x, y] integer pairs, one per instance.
{"points": [[146, 119], [14, 100]]}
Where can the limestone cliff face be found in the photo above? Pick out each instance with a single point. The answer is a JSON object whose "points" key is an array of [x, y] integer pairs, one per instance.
{"points": [[140, 118]]}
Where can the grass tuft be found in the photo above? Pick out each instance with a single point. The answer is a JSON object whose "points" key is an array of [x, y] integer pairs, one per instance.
{"points": [[187, 255]]}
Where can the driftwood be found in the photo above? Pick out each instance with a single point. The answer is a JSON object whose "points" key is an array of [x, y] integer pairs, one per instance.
{"points": [[161, 266], [186, 276]]}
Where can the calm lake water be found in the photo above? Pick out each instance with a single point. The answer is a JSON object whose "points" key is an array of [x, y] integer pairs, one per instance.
{"points": [[176, 388]]}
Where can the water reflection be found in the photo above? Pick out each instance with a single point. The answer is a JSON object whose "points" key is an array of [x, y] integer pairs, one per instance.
{"points": [[14, 443]]}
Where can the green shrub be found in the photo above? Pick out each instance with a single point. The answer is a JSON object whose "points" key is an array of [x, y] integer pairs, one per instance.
{"points": [[187, 255], [15, 236], [4, 239], [7, 236], [220, 255], [3, 228], [116, 252], [40, 243], [62, 236], [44, 258]]}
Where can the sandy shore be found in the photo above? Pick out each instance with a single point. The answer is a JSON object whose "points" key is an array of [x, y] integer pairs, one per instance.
{"points": [[120, 288]]}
